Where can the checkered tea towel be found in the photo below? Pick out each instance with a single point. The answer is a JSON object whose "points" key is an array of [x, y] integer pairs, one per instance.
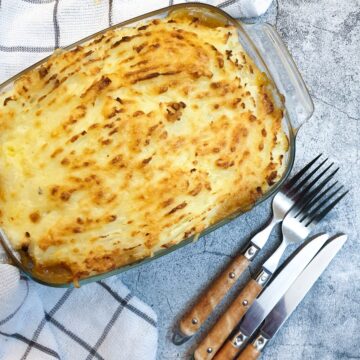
{"points": [[31, 29], [100, 320]]}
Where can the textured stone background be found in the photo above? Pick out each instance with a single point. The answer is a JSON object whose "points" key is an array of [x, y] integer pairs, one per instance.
{"points": [[323, 37]]}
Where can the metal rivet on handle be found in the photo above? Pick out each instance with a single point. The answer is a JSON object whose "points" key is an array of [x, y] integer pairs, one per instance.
{"points": [[209, 350], [194, 321], [238, 340], [245, 302], [260, 342], [231, 275]]}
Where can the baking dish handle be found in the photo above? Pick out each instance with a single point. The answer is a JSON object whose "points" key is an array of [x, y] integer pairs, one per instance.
{"points": [[283, 72]]}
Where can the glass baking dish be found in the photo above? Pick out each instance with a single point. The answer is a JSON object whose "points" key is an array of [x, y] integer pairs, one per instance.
{"points": [[264, 46]]}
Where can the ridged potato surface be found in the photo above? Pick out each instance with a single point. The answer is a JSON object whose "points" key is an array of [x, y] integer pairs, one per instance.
{"points": [[133, 142]]}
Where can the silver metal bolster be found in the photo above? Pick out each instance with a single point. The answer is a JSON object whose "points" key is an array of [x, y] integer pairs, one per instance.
{"points": [[251, 252], [260, 342], [239, 340], [263, 278]]}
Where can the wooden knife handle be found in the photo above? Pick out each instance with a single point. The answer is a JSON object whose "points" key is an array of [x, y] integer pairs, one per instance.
{"points": [[197, 315], [249, 353], [227, 322]]}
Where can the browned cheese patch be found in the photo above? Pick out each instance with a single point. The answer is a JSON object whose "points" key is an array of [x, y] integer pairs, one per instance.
{"points": [[132, 142]]}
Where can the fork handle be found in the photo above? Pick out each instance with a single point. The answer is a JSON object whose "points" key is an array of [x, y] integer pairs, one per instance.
{"points": [[196, 316], [227, 322], [262, 236], [205, 305]]}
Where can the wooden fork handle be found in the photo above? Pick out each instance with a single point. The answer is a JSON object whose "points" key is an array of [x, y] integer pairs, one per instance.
{"points": [[227, 322], [207, 302]]}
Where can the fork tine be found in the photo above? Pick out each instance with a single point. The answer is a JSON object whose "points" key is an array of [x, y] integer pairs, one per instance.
{"points": [[305, 196], [297, 176], [322, 194], [303, 182], [309, 196], [325, 211], [312, 198], [306, 190], [311, 210]]}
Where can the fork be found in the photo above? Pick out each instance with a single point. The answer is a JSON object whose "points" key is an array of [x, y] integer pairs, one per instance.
{"points": [[312, 204], [281, 204]]}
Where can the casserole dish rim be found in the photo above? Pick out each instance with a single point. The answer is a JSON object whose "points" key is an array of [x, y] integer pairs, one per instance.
{"points": [[290, 132]]}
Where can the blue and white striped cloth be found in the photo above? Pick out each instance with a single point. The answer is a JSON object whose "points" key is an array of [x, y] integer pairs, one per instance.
{"points": [[98, 321], [33, 29]]}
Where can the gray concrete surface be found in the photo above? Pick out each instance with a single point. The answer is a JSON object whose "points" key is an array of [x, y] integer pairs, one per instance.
{"points": [[324, 38]]}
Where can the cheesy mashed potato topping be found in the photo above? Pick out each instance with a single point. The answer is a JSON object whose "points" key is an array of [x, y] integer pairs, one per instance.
{"points": [[133, 142]]}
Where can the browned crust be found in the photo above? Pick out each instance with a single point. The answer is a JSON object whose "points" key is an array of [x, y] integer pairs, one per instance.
{"points": [[151, 118]]}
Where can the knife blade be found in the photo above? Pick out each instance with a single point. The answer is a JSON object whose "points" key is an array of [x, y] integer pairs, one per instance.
{"points": [[271, 295], [294, 295], [195, 317]]}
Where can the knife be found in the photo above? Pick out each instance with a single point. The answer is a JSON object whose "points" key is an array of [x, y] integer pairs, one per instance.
{"points": [[196, 316], [267, 300], [191, 322], [286, 305]]}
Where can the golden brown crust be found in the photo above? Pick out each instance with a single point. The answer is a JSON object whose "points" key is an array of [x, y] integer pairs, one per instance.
{"points": [[132, 142]]}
